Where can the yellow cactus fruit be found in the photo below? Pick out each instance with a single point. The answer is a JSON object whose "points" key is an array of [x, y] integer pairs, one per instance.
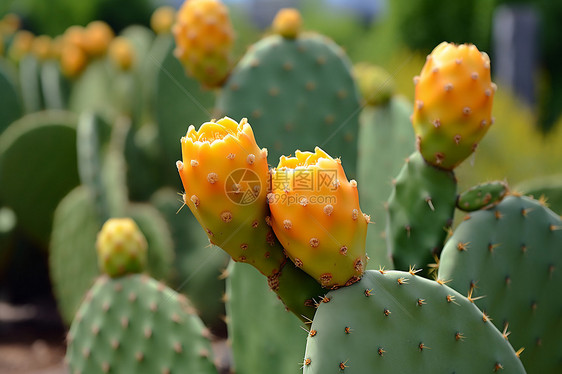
{"points": [[121, 247], [316, 216], [453, 103], [75, 35], [225, 177], [287, 23], [204, 38], [121, 53], [375, 84], [162, 20], [97, 36], [21, 44], [41, 47], [73, 60], [9, 24]]}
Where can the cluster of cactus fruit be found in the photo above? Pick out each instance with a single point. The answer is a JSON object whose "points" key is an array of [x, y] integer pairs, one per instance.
{"points": [[356, 243]]}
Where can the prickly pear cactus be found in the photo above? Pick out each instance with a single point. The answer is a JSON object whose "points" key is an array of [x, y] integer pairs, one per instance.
{"points": [[177, 100], [482, 196], [222, 159], [508, 259], [386, 139], [248, 300], [134, 324], [72, 252], [121, 247], [225, 176], [292, 90], [453, 103], [316, 216], [420, 212], [44, 143], [195, 262], [548, 189], [397, 322], [204, 39], [10, 103]]}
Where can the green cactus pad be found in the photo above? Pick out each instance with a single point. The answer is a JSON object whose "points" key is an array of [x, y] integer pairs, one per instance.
{"points": [[386, 139], [38, 168], [30, 84], [248, 300], [179, 101], [420, 211], [55, 87], [160, 242], [510, 257], [397, 322], [197, 262], [482, 196], [10, 102], [134, 324], [548, 188], [297, 94], [72, 252]]}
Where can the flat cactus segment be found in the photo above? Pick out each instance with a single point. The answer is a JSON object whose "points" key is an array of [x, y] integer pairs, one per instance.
{"points": [[179, 101], [54, 85], [195, 263], [548, 189], [248, 300], [30, 84], [508, 259], [10, 102], [420, 211], [38, 167], [153, 225], [386, 139], [72, 251], [134, 324], [297, 93], [397, 322], [482, 196]]}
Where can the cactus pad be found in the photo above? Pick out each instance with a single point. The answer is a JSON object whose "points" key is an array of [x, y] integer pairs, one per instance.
{"points": [[420, 211], [134, 324], [397, 322], [482, 196], [293, 90], [509, 259], [45, 144]]}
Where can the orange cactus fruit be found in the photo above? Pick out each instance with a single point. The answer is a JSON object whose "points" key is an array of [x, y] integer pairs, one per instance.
{"points": [[97, 37], [316, 216], [204, 37], [121, 53], [41, 47], [162, 20], [21, 44], [287, 23], [73, 60], [453, 103], [121, 247], [225, 177]]}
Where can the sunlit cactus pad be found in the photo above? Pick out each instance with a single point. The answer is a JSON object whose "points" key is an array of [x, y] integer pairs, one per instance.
{"points": [[398, 322]]}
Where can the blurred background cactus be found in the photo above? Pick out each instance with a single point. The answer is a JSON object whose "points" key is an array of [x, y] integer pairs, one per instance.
{"points": [[95, 95]]}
